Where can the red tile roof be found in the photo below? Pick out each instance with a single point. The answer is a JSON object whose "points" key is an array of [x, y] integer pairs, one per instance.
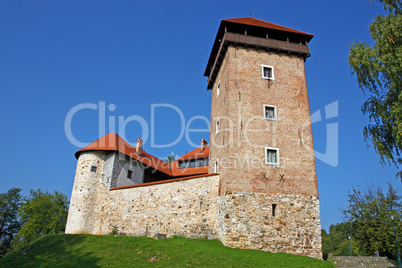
{"points": [[264, 24], [191, 171], [113, 142], [195, 154]]}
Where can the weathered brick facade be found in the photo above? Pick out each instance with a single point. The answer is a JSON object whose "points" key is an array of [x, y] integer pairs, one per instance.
{"points": [[244, 133]]}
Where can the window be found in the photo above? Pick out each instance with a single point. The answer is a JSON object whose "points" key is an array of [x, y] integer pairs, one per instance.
{"points": [[217, 126], [93, 169], [269, 112], [267, 72], [202, 162], [273, 210], [271, 156], [192, 163], [129, 174], [199, 163], [216, 166], [218, 89], [182, 164]]}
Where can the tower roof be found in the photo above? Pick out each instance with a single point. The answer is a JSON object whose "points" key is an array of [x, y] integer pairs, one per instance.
{"points": [[265, 24], [251, 32]]}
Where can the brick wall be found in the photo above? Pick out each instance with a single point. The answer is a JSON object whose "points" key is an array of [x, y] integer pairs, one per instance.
{"points": [[244, 134]]}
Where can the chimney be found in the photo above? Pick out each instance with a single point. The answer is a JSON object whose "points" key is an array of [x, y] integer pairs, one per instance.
{"points": [[203, 145], [139, 146]]}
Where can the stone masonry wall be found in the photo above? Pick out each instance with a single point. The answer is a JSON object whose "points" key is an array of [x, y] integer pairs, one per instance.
{"points": [[187, 208], [83, 210], [246, 221]]}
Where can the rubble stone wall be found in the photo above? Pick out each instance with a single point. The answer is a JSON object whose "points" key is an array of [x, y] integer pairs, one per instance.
{"points": [[247, 220]]}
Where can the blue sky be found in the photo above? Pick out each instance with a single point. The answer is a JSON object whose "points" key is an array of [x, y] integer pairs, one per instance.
{"points": [[56, 55]]}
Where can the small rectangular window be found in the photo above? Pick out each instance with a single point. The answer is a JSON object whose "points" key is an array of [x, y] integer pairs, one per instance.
{"points": [[273, 210], [217, 126], [129, 174], [93, 169], [218, 89], [269, 112], [181, 164], [199, 163], [267, 72], [192, 163], [271, 156]]}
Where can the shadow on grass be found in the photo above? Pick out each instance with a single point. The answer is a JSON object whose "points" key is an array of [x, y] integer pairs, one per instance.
{"points": [[53, 250]]}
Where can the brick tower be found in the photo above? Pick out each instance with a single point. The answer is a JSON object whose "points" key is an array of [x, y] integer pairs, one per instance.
{"points": [[261, 140]]}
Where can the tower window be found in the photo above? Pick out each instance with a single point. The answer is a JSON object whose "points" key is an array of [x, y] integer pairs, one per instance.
{"points": [[267, 72], [273, 210], [129, 174], [216, 166], [218, 89], [269, 112], [93, 169], [271, 156], [217, 126]]}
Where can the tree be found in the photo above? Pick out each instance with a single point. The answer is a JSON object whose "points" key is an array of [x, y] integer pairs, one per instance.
{"points": [[378, 70], [336, 241], [9, 222], [41, 213], [369, 215], [170, 159]]}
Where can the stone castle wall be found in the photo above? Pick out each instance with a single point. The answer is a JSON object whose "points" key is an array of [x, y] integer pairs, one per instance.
{"points": [[186, 207], [247, 220], [191, 208]]}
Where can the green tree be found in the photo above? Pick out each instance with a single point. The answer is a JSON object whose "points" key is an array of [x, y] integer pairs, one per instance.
{"points": [[369, 215], [170, 159], [378, 69], [9, 222], [41, 213], [336, 241]]}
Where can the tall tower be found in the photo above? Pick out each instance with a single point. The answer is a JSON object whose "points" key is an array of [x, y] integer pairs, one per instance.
{"points": [[261, 140]]}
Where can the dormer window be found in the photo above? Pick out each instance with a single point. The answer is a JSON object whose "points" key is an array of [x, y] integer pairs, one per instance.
{"points": [[202, 162], [267, 72]]}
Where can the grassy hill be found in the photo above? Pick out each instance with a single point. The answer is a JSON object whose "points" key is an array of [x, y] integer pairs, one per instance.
{"points": [[63, 250]]}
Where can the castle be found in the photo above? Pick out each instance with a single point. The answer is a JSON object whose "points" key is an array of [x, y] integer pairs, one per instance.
{"points": [[254, 186]]}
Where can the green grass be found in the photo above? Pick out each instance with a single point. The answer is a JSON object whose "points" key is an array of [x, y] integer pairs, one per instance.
{"points": [[117, 251]]}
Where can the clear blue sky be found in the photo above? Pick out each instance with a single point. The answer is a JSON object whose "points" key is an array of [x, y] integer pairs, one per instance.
{"points": [[58, 54]]}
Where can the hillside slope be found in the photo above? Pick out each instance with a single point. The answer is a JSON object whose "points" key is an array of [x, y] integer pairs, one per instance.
{"points": [[63, 250]]}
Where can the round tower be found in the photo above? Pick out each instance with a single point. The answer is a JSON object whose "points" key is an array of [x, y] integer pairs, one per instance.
{"points": [[83, 212]]}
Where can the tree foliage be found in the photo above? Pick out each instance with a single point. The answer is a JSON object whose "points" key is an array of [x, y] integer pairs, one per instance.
{"points": [[369, 215], [337, 242], [9, 222], [170, 159], [41, 213], [379, 73]]}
